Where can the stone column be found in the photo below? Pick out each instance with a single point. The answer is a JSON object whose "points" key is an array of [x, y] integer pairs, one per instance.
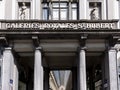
{"points": [[113, 76], [38, 70], [16, 78], [7, 70], [82, 85]]}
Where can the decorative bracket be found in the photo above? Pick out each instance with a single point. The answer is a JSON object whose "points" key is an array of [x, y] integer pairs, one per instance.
{"points": [[113, 40], [83, 41], [36, 41]]}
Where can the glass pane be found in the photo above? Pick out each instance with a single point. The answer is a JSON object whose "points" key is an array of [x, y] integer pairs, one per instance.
{"points": [[74, 14], [45, 14], [55, 4], [74, 5], [63, 4], [63, 14], [55, 14]]}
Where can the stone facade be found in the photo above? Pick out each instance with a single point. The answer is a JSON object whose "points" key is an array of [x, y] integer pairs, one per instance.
{"points": [[40, 36]]}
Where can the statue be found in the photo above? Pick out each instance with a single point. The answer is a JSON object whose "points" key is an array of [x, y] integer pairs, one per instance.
{"points": [[23, 11], [94, 14]]}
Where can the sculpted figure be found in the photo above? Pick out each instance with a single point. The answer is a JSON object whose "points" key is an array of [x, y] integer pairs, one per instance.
{"points": [[94, 14], [23, 11]]}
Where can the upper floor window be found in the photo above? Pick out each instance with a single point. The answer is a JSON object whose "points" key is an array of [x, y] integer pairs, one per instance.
{"points": [[24, 10], [60, 10], [95, 10]]}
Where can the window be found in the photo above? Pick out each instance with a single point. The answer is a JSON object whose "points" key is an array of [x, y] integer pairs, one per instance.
{"points": [[60, 10], [24, 10], [95, 11]]}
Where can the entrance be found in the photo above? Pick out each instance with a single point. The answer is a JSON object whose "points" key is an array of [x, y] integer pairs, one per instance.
{"points": [[59, 65], [60, 77]]}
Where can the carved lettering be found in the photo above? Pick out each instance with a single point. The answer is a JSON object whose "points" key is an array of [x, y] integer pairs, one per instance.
{"points": [[54, 26]]}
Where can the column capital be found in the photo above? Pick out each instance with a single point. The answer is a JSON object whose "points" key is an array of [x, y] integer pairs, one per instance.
{"points": [[8, 48], [81, 48], [36, 41], [38, 48], [112, 49]]}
